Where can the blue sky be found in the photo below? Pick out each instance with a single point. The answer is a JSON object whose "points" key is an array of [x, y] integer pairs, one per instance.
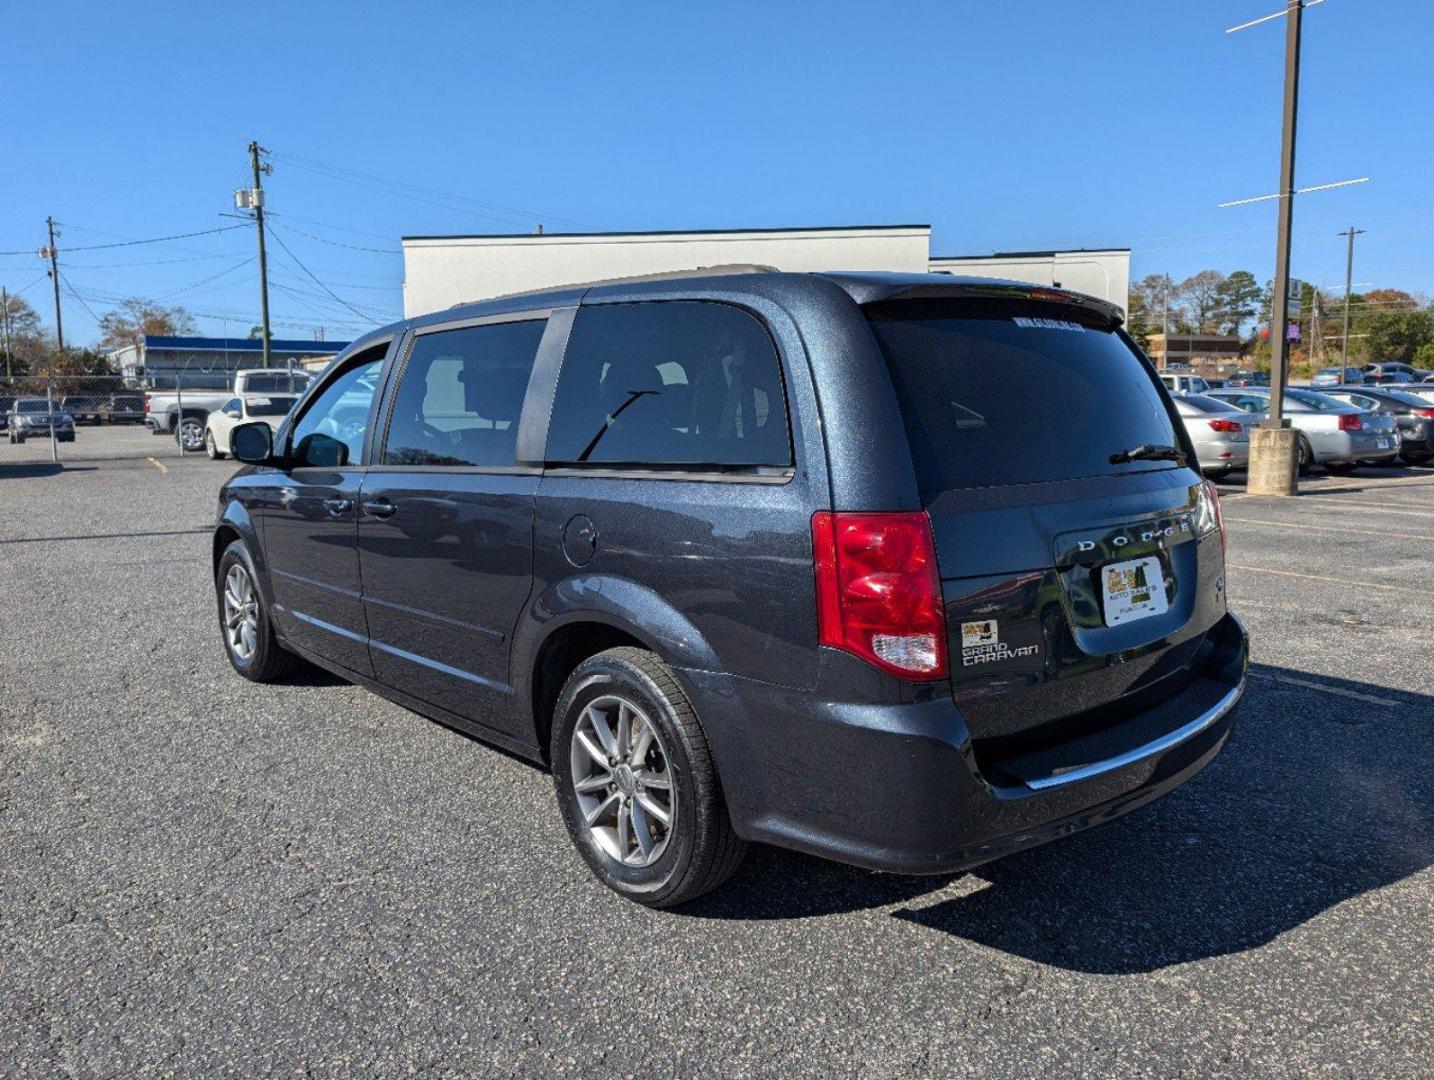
{"points": [[1043, 124]]}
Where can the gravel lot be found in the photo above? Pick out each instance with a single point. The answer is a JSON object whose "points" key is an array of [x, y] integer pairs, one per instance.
{"points": [[203, 877]]}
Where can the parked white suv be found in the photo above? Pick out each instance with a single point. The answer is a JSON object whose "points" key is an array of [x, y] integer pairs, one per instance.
{"points": [[1184, 384]]}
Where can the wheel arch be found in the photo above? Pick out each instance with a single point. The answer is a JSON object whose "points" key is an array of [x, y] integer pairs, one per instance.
{"points": [[572, 620]]}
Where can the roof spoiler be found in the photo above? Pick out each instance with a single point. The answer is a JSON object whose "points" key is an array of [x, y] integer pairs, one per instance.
{"points": [[1001, 290]]}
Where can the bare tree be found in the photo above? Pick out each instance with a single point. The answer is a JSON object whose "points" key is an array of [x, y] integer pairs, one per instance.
{"points": [[1202, 300], [136, 318]]}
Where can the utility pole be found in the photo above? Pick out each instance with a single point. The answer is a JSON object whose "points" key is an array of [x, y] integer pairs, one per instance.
{"points": [[1350, 232], [5, 326], [54, 257], [256, 201], [1279, 320]]}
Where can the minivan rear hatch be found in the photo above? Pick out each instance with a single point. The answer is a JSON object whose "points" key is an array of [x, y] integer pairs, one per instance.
{"points": [[1078, 547]]}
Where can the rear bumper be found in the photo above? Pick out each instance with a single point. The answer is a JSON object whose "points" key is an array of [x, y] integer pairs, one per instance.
{"points": [[899, 787]]}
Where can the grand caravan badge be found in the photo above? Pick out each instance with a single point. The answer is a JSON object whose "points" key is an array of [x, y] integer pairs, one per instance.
{"points": [[981, 644]]}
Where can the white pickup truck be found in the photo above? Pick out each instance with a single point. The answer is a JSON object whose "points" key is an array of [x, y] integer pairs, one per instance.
{"points": [[182, 413]]}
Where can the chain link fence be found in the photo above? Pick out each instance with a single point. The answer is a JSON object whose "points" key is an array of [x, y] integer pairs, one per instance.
{"points": [[60, 418]]}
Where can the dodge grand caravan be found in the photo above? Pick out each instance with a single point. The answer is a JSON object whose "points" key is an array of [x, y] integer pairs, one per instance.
{"points": [[907, 571]]}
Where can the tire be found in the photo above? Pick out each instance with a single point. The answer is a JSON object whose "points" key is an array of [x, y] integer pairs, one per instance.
{"points": [[215, 454], [267, 660], [189, 434], [699, 850], [1340, 468], [1218, 474], [1306, 456]]}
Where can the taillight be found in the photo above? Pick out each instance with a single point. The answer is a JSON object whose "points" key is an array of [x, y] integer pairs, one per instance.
{"points": [[1225, 425], [1350, 422], [146, 403], [878, 591], [1208, 513], [1427, 414]]}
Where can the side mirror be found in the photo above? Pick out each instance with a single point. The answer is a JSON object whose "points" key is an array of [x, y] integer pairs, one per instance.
{"points": [[237, 414], [252, 443]]}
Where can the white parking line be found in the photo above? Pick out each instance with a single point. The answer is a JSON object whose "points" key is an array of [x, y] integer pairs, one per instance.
{"points": [[1310, 684], [1360, 584], [1384, 507], [1329, 528]]}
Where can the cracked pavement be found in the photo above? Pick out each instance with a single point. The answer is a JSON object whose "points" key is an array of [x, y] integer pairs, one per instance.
{"points": [[199, 876]]}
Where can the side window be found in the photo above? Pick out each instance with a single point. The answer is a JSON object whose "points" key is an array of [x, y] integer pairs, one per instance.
{"points": [[679, 383], [460, 395], [330, 432]]}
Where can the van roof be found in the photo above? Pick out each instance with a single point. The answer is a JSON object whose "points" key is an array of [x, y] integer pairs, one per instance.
{"points": [[863, 286]]}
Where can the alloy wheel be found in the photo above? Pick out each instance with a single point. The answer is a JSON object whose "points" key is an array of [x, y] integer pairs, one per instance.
{"points": [[622, 781], [241, 613], [191, 434]]}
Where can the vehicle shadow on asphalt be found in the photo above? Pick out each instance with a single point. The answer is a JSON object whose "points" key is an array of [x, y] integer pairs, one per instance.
{"points": [[1318, 797]]}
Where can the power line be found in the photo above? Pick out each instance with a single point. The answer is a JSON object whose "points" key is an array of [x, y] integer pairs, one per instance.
{"points": [[312, 277], [205, 281], [151, 240], [386, 184], [337, 243], [80, 299]]}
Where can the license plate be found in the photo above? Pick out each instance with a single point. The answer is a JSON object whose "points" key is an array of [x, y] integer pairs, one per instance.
{"points": [[1383, 444], [1132, 590]]}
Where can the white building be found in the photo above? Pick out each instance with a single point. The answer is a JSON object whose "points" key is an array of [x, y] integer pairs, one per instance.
{"points": [[441, 271]]}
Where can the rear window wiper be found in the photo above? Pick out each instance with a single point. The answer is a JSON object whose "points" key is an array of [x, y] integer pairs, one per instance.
{"points": [[1148, 452]]}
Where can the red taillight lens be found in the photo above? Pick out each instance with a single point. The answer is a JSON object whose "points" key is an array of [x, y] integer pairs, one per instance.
{"points": [[1427, 414], [1350, 422], [1224, 425], [878, 591], [146, 403]]}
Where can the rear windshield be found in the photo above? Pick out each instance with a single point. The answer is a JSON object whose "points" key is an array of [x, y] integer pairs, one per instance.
{"points": [[275, 383], [1199, 403], [1315, 401], [996, 393], [278, 406]]}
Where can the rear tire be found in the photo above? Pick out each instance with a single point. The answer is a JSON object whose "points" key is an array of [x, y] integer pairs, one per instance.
{"points": [[698, 850], [257, 654], [1416, 459], [215, 454], [1306, 456], [1340, 468]]}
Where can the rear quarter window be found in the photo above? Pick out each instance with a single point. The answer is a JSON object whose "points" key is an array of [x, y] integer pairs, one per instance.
{"points": [[996, 393], [670, 385]]}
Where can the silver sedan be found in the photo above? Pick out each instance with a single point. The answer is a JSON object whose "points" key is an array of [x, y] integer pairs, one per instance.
{"points": [[1219, 431], [1332, 433]]}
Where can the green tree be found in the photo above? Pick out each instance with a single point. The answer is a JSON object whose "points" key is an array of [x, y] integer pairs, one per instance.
{"points": [[1240, 298], [1424, 356], [1395, 333], [136, 318]]}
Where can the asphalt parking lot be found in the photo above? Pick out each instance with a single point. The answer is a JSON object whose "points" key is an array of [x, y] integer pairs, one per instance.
{"points": [[199, 876]]}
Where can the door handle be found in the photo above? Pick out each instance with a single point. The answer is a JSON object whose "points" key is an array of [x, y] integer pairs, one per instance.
{"points": [[379, 508], [338, 507]]}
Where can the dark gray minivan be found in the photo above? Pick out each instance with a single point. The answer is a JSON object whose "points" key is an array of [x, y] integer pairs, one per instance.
{"points": [[907, 571]]}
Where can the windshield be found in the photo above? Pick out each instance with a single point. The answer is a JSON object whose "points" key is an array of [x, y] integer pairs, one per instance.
{"points": [[32, 405], [999, 392]]}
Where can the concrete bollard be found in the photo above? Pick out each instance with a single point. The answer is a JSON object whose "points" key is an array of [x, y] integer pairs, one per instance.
{"points": [[1274, 461]]}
